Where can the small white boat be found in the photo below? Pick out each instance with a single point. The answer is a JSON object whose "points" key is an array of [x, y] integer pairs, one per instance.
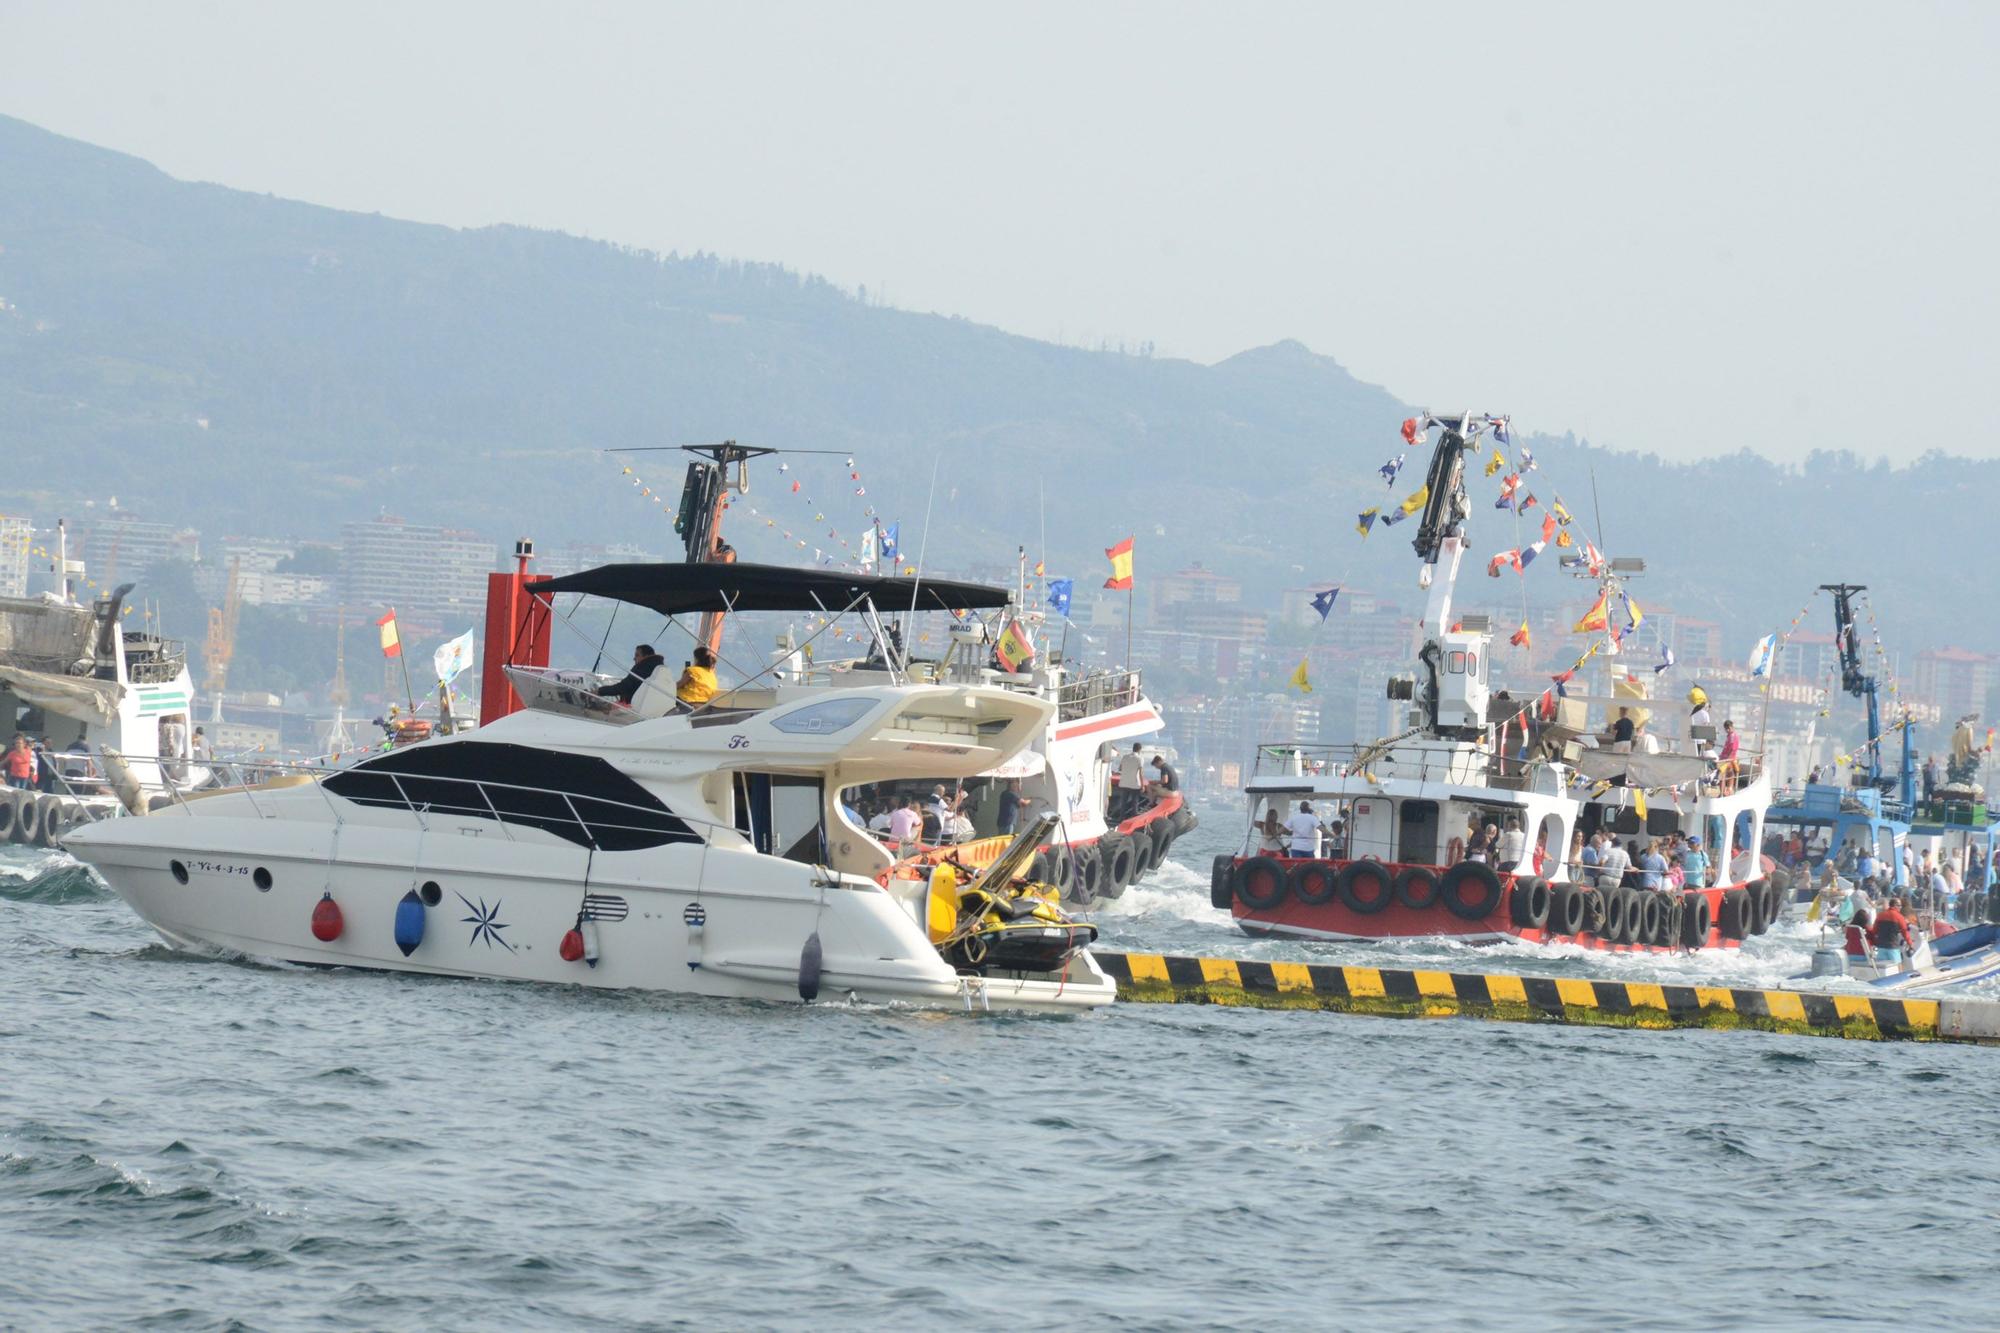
{"points": [[1957, 959]]}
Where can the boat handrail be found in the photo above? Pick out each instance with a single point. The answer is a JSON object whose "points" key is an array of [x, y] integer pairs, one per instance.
{"points": [[1098, 692], [186, 802]]}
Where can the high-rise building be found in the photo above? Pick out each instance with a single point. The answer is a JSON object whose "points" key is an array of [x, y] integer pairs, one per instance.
{"points": [[16, 535], [435, 578], [1957, 680], [119, 548]]}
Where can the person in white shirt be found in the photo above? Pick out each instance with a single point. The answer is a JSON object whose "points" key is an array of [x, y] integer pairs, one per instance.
{"points": [[1611, 869], [1131, 783], [1513, 843], [880, 824], [1304, 828], [1271, 833]]}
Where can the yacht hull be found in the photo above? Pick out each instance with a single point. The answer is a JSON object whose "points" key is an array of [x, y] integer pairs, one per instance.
{"points": [[687, 919]]}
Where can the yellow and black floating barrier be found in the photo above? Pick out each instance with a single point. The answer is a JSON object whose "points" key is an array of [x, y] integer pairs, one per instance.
{"points": [[1146, 978]]}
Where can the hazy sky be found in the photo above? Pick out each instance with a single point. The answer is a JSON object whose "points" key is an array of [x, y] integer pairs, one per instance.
{"points": [[1681, 228]]}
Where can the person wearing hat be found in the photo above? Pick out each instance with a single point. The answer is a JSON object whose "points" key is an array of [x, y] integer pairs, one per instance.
{"points": [[1694, 865]]}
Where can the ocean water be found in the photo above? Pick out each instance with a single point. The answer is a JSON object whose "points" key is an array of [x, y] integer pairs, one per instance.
{"points": [[196, 1143]]}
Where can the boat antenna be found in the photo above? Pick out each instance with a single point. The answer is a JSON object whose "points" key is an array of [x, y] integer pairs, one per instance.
{"points": [[924, 542], [1597, 510]]}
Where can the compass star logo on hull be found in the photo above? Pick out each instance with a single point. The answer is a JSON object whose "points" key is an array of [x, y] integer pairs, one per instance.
{"points": [[485, 922]]}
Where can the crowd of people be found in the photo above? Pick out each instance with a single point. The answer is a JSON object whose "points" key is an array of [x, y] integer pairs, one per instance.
{"points": [[1671, 863]]}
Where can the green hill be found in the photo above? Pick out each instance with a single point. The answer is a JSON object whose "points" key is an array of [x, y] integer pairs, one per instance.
{"points": [[249, 364]]}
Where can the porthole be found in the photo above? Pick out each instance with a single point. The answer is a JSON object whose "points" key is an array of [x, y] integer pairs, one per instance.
{"points": [[180, 872], [431, 893], [262, 879]]}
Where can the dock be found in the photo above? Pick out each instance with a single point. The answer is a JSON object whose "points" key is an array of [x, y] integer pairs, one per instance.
{"points": [[1505, 997]]}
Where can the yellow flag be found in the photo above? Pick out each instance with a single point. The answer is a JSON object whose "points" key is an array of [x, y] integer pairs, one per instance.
{"points": [[1419, 500], [1495, 463], [1639, 801], [1298, 680]]}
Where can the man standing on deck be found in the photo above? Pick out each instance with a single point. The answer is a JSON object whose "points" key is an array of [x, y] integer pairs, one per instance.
{"points": [[1694, 865], [1652, 867], [1010, 807], [1304, 828], [1131, 782], [1612, 866]]}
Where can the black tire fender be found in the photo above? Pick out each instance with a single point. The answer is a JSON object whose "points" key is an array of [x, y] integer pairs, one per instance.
{"points": [[1694, 920], [1416, 888], [1471, 890], [1612, 930], [1314, 883], [1735, 915], [1221, 872], [1260, 883], [1566, 910], [1143, 856], [1364, 887], [1529, 902]]}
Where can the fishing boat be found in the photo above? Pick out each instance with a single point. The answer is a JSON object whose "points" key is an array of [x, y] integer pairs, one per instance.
{"points": [[581, 839], [107, 705], [1954, 958], [1392, 863]]}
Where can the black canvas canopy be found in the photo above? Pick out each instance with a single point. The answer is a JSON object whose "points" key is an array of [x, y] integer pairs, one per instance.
{"points": [[684, 589]]}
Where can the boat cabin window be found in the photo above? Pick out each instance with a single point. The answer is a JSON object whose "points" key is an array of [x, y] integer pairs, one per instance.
{"points": [[1417, 833], [1456, 663], [576, 797], [783, 815]]}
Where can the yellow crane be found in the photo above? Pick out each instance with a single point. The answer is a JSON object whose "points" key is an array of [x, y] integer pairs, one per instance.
{"points": [[220, 645]]}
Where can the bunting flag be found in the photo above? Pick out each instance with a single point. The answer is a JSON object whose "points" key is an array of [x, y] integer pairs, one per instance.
{"points": [[1527, 463], [1412, 432], [1519, 638], [1508, 485], [1562, 514], [1564, 541], [1761, 655], [1495, 463], [1299, 681], [1562, 682], [1593, 619], [1391, 468], [869, 551], [891, 543], [1322, 602], [1039, 569], [1528, 503], [1548, 528], [1634, 617], [1417, 500], [1120, 557], [1015, 650], [1545, 706], [1060, 592], [1639, 801], [1501, 561], [1666, 659], [392, 643], [1593, 558], [1529, 552], [1364, 521], [1502, 429]]}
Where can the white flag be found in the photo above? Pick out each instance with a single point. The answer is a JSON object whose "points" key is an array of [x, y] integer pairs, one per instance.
{"points": [[1760, 656], [453, 657], [868, 548]]}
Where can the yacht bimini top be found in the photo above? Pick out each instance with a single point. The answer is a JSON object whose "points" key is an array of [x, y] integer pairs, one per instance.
{"points": [[676, 589]]}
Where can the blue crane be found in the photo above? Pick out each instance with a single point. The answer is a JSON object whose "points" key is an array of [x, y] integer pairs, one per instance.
{"points": [[1863, 686]]}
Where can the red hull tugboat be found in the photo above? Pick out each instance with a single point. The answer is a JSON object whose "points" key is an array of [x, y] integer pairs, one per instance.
{"points": [[1391, 862]]}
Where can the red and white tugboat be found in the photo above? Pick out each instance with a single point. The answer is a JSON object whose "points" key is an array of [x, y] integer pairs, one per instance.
{"points": [[1398, 814]]}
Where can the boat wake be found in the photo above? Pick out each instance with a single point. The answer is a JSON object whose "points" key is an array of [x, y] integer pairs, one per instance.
{"points": [[51, 879]]}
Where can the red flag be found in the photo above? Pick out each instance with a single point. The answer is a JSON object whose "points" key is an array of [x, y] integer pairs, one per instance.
{"points": [[1519, 638], [1410, 430], [392, 643]]}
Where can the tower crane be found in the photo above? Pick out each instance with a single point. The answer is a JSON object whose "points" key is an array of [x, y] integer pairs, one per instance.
{"points": [[220, 646]]}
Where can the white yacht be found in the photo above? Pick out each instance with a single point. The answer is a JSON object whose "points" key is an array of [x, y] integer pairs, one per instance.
{"points": [[591, 842]]}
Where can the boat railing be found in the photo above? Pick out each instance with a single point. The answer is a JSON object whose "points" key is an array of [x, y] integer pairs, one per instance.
{"points": [[1098, 692], [479, 800]]}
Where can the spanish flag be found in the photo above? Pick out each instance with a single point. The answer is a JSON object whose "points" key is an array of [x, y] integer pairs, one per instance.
{"points": [[392, 643], [1014, 649], [1298, 680], [1593, 619], [1120, 557], [1519, 638]]}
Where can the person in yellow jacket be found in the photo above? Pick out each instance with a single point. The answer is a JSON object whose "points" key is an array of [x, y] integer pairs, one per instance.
{"points": [[697, 684]]}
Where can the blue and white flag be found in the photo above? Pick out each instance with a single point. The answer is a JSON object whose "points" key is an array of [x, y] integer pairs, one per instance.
{"points": [[1527, 463], [1391, 468], [1666, 659], [1761, 655], [891, 542], [1060, 591], [1323, 602], [452, 658], [1500, 431]]}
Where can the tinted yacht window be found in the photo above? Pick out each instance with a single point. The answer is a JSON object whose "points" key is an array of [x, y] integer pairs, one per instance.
{"points": [[576, 797]]}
